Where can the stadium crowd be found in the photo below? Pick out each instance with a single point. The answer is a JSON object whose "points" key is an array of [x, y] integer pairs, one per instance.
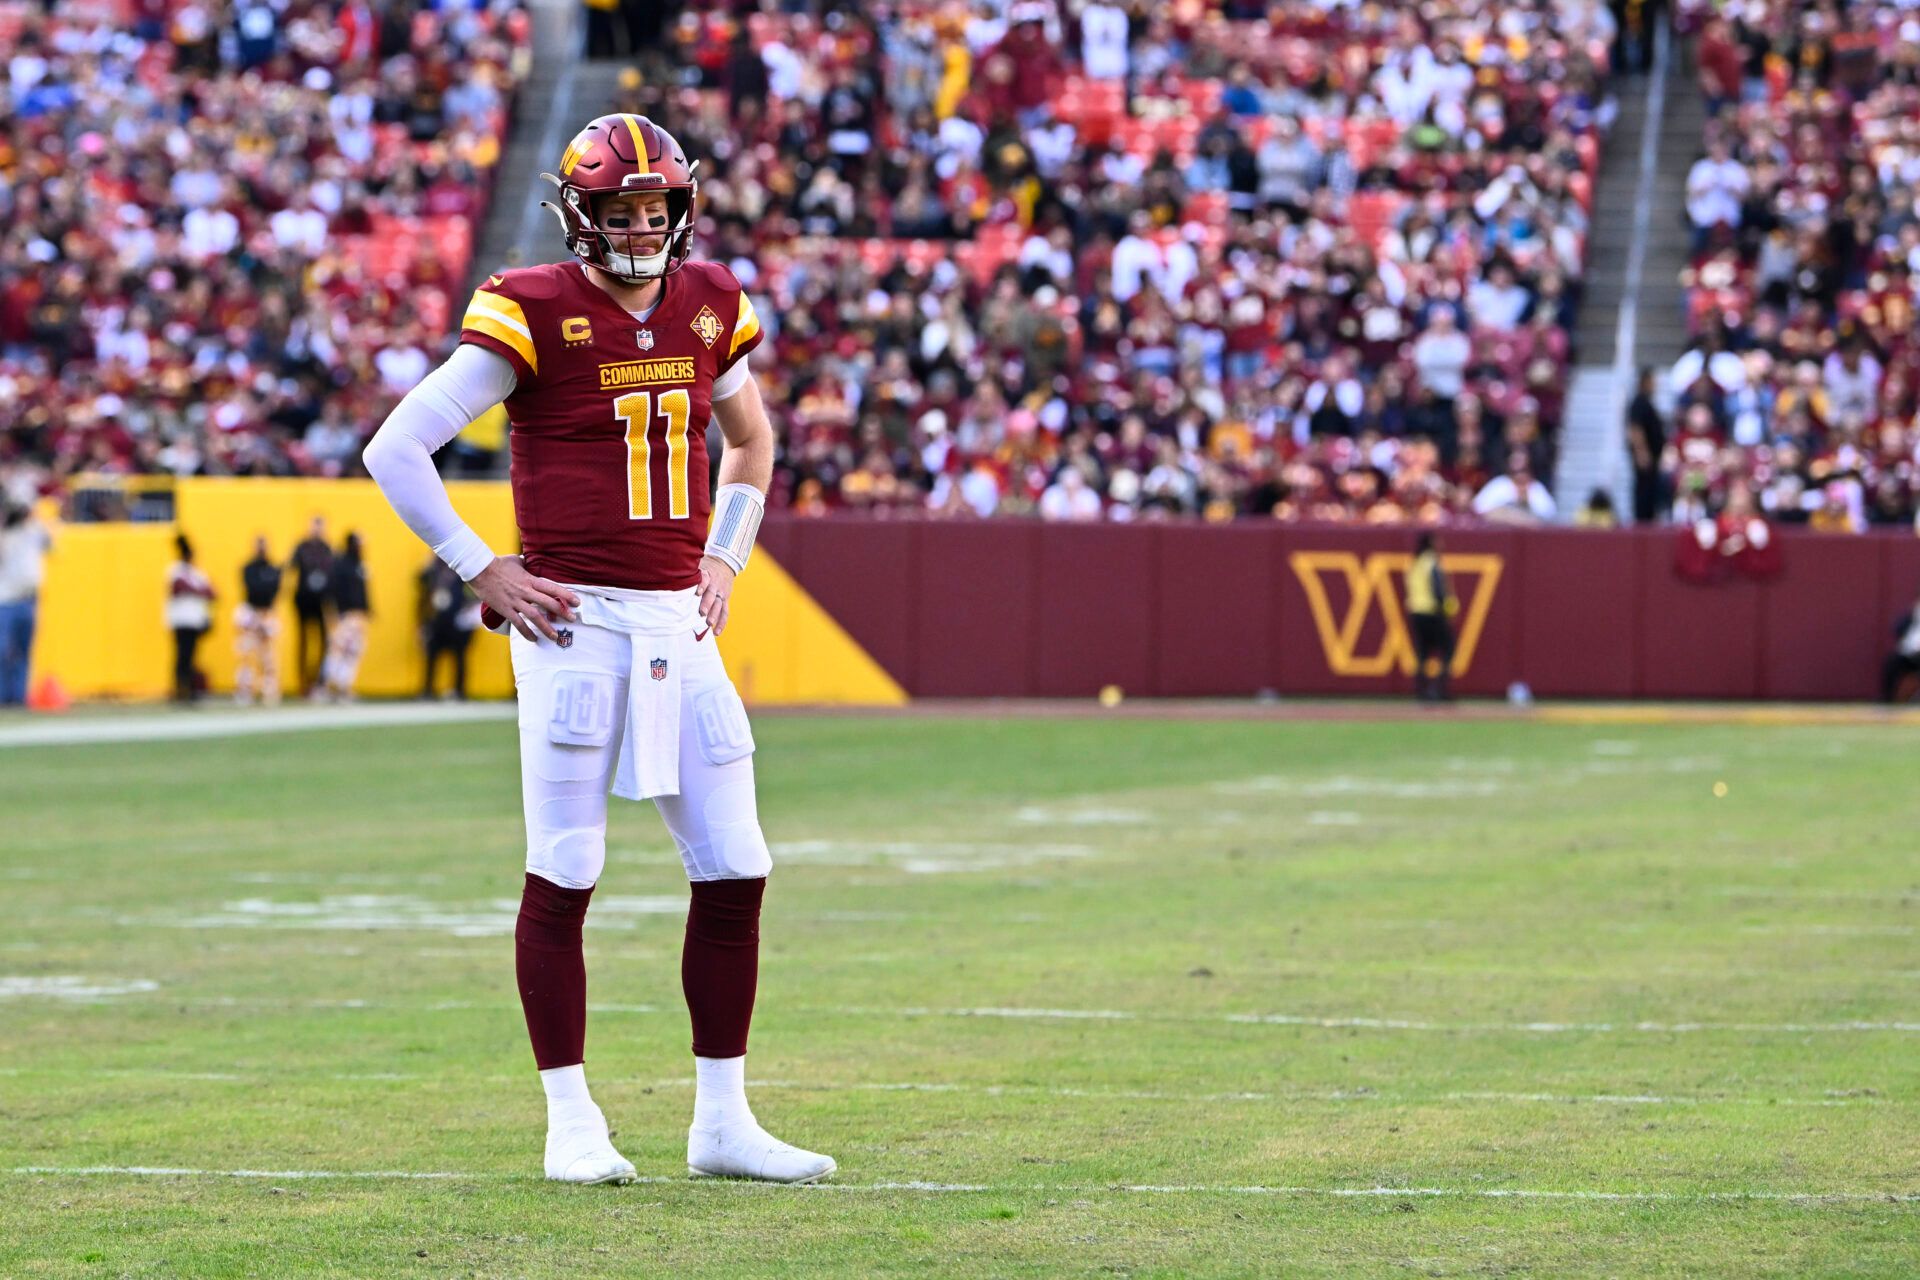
{"points": [[1801, 384], [234, 229], [1075, 258], [1127, 260]]}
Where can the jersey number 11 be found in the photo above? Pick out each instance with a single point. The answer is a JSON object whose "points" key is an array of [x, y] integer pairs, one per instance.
{"points": [[636, 410]]}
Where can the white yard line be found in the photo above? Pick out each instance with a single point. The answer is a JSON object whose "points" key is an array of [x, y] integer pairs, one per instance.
{"points": [[1398, 1024], [1488, 1193], [1835, 1098], [1109, 1015], [238, 722]]}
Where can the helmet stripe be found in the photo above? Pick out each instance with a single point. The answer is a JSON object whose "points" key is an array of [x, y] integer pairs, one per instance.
{"points": [[639, 143]]}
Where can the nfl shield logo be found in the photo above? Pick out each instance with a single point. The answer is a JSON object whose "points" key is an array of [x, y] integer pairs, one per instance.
{"points": [[659, 668], [645, 339], [563, 636]]}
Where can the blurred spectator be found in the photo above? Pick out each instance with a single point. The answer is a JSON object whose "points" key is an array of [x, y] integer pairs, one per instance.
{"points": [[256, 628], [602, 19], [1069, 498], [1738, 540], [1598, 513], [1104, 41], [348, 639], [1717, 188], [1441, 355], [189, 616], [1904, 661], [449, 615], [313, 595], [24, 543], [1646, 443], [1718, 59], [1515, 497], [1431, 606]]}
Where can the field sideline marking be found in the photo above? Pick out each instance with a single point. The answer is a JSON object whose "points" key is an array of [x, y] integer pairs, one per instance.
{"points": [[239, 722], [1838, 1098], [1489, 1193]]}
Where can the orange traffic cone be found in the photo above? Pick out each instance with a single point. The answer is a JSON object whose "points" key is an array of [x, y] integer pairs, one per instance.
{"points": [[48, 694]]}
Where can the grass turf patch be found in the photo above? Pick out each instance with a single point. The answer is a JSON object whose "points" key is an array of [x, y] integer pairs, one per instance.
{"points": [[1051, 960]]}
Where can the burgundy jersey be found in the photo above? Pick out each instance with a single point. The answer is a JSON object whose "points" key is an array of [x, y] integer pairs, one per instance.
{"points": [[609, 419]]}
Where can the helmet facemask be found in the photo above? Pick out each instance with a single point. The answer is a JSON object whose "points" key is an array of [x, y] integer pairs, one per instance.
{"points": [[618, 249]]}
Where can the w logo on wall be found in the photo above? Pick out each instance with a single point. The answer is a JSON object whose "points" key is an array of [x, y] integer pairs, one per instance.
{"points": [[1373, 587]]}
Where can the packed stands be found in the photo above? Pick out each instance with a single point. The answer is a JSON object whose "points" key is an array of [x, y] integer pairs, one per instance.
{"points": [[1319, 262], [234, 232], [1802, 380], [1214, 258]]}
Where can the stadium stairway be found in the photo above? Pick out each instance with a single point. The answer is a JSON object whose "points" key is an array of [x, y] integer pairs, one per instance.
{"points": [[563, 91], [1633, 311]]}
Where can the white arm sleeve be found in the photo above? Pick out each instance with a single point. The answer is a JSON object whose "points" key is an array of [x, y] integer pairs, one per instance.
{"points": [[728, 384], [400, 455]]}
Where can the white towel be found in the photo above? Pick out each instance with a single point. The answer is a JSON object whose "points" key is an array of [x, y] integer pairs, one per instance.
{"points": [[650, 752], [659, 625]]}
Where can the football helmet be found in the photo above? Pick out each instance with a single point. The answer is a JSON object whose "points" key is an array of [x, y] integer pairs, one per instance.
{"points": [[620, 153]]}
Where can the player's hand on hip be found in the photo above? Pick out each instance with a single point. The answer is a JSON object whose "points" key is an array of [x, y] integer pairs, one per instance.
{"points": [[716, 589], [529, 604]]}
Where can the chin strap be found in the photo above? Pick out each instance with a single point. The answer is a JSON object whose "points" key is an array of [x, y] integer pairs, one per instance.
{"points": [[737, 509]]}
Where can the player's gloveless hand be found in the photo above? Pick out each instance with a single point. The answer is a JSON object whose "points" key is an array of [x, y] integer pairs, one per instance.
{"points": [[529, 604], [716, 589]]}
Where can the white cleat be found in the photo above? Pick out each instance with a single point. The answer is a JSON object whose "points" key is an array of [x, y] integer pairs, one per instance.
{"points": [[584, 1154], [748, 1151]]}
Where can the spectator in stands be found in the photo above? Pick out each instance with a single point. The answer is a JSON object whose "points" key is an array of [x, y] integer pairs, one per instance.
{"points": [[1851, 378], [256, 630], [1904, 661], [23, 549], [1646, 443], [1720, 66], [189, 613], [1441, 356], [1070, 498], [1104, 41], [1515, 497], [601, 39], [1598, 513], [1717, 188], [1498, 301], [313, 596]]}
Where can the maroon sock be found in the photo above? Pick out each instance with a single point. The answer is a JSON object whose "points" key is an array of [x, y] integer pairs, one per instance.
{"points": [[552, 971], [720, 965]]}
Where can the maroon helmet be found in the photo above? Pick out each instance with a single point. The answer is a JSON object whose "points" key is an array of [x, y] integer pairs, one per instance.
{"points": [[624, 153]]}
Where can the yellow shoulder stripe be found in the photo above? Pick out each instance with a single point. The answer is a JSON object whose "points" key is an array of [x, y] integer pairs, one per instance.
{"points": [[503, 319], [745, 327]]}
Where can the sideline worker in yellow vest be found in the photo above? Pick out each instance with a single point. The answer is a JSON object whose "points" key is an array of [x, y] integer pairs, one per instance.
{"points": [[1430, 608]]}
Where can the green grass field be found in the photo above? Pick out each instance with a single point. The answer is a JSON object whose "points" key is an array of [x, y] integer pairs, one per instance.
{"points": [[1129, 997]]}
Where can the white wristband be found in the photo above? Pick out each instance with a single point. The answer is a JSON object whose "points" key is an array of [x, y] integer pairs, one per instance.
{"points": [[466, 553], [737, 509]]}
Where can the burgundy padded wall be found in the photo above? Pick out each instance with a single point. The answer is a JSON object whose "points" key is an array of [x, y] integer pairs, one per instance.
{"points": [[1024, 609]]}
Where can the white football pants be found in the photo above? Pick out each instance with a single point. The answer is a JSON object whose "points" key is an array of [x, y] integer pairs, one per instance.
{"points": [[565, 772]]}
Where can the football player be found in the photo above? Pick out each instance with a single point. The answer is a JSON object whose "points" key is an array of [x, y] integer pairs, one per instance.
{"points": [[610, 365]]}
